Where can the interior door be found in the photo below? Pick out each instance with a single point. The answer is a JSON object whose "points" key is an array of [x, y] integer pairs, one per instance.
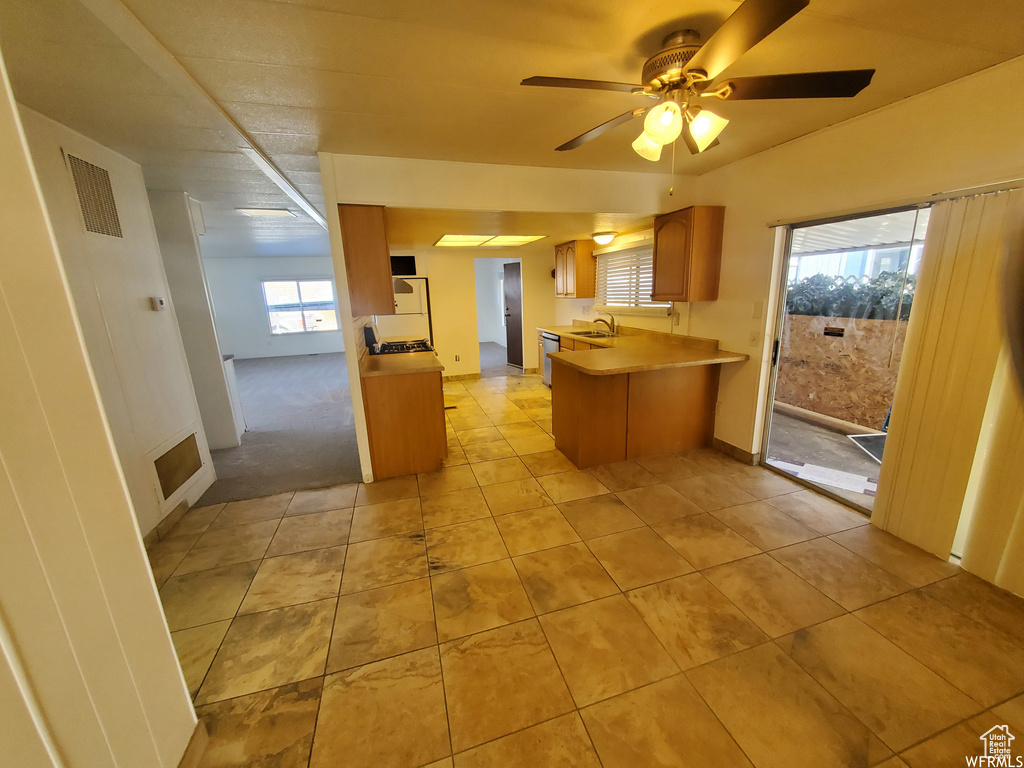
{"points": [[514, 314]]}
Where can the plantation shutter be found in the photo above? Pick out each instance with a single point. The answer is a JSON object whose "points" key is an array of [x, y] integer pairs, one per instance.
{"points": [[626, 279]]}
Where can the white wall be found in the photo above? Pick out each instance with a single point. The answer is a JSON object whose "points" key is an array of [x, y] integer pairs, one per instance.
{"points": [[490, 313], [241, 314], [87, 663], [453, 304], [136, 353], [183, 264]]}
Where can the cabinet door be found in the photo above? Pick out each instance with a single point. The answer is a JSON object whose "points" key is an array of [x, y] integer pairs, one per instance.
{"points": [[584, 270], [570, 269], [706, 252], [673, 235], [560, 270], [367, 259]]}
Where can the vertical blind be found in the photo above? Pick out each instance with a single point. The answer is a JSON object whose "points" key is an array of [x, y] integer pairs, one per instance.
{"points": [[936, 450], [626, 279]]}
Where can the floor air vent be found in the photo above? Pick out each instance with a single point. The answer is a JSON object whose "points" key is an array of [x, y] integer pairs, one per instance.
{"points": [[96, 197]]}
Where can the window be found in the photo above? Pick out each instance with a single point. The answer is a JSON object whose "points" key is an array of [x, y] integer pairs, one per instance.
{"points": [[625, 280], [300, 306]]}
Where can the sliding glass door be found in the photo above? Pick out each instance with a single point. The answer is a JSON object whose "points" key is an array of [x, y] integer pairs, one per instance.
{"points": [[847, 298]]}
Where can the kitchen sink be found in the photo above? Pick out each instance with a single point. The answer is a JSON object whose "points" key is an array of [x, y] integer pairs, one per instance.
{"points": [[595, 334]]}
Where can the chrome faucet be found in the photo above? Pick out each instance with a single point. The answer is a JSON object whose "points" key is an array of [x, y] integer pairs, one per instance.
{"points": [[611, 325]]}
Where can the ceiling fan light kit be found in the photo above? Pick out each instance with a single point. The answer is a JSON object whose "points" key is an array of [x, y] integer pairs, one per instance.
{"points": [[684, 69], [704, 126], [646, 148], [664, 123]]}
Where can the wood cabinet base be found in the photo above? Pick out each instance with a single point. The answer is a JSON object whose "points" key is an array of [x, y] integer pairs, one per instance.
{"points": [[405, 422], [588, 415], [602, 419], [671, 410]]}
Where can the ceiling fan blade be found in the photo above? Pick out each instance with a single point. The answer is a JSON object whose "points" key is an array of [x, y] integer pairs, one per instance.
{"points": [[572, 82], [751, 23], [804, 85], [593, 133]]}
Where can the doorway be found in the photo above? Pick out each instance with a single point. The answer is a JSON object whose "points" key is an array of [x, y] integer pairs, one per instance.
{"points": [[499, 316], [846, 296]]}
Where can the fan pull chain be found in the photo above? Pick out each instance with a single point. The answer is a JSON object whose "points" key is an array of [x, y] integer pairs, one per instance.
{"points": [[672, 188]]}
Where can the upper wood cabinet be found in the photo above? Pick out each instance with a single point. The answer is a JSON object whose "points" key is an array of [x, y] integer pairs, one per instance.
{"points": [[367, 259], [575, 270], [688, 254]]}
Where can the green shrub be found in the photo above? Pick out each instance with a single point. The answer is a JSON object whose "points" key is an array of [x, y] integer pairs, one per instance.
{"points": [[870, 299]]}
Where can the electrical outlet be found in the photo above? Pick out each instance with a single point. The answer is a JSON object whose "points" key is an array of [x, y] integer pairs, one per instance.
{"points": [[676, 315], [456, 358], [587, 308]]}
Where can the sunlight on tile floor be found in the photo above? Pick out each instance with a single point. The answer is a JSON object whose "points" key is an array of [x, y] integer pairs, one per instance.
{"points": [[510, 610]]}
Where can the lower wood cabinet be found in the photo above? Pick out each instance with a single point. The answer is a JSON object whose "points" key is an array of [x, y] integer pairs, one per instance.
{"points": [[604, 419], [405, 422]]}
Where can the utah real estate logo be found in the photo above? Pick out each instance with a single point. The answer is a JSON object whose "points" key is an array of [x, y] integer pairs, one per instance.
{"points": [[998, 750]]}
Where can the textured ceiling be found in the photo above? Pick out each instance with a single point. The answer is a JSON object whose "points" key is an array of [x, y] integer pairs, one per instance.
{"points": [[439, 80]]}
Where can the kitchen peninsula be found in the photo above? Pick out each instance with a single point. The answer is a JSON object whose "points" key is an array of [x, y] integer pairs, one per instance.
{"points": [[636, 393]]}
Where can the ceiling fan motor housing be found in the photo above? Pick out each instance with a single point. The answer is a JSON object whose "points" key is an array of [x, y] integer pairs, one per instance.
{"points": [[668, 65]]}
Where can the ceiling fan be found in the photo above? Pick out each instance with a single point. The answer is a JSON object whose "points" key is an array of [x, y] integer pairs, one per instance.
{"points": [[683, 74]]}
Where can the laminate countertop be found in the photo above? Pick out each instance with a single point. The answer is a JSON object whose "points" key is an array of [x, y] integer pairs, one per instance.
{"points": [[629, 353], [398, 364]]}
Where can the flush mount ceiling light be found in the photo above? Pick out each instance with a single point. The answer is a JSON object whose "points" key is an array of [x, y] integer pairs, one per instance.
{"points": [[603, 238], [473, 241], [685, 69], [268, 213]]}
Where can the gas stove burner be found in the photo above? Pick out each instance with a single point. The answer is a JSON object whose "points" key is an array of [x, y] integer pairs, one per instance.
{"points": [[397, 347]]}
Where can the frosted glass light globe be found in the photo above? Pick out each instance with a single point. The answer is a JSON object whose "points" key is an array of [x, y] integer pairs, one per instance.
{"points": [[664, 123]]}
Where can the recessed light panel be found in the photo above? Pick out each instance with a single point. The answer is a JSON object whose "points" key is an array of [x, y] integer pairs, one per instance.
{"points": [[513, 240], [472, 241], [463, 241], [271, 213]]}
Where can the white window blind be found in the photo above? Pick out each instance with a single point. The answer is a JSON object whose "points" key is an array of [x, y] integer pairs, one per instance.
{"points": [[625, 280]]}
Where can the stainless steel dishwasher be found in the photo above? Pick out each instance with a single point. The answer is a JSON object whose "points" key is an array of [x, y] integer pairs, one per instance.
{"points": [[549, 343]]}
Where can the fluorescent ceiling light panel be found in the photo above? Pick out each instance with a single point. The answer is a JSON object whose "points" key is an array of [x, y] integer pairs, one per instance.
{"points": [[462, 241], [270, 213], [513, 240], [472, 241]]}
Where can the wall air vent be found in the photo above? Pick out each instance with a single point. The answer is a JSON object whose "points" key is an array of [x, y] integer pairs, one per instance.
{"points": [[96, 197]]}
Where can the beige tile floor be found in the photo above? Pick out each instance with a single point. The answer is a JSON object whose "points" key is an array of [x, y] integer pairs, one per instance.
{"points": [[511, 610]]}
